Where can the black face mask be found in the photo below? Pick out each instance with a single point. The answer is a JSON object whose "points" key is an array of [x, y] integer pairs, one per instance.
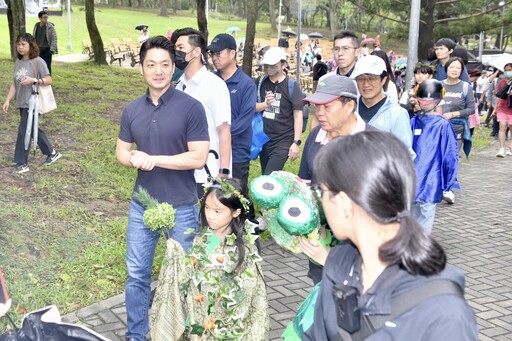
{"points": [[179, 59]]}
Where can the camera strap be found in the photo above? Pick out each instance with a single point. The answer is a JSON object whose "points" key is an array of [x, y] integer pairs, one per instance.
{"points": [[399, 305]]}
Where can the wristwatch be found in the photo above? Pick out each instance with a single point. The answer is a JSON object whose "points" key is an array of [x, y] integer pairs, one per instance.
{"points": [[297, 142], [224, 171]]}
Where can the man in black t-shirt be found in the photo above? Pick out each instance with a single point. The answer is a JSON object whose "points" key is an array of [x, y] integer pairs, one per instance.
{"points": [[282, 113], [319, 69], [283, 42]]}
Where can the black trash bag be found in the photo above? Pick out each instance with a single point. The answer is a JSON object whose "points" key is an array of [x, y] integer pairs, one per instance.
{"points": [[46, 325]]}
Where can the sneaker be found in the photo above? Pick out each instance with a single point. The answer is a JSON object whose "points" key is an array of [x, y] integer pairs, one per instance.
{"points": [[52, 158], [501, 152], [21, 168], [509, 153], [449, 197], [261, 224]]}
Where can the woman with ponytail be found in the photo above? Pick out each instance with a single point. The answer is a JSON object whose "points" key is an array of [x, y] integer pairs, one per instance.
{"points": [[367, 188]]}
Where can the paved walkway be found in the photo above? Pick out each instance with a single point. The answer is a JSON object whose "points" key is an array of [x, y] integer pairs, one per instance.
{"points": [[475, 232]]}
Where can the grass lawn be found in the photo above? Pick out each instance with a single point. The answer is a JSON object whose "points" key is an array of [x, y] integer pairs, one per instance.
{"points": [[62, 228]]}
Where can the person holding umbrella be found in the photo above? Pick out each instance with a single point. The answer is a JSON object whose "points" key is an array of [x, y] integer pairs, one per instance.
{"points": [[26, 80]]}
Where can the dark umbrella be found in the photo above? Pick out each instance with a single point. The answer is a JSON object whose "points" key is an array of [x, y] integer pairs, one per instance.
{"points": [[140, 27], [315, 35], [264, 48], [289, 32], [367, 41]]}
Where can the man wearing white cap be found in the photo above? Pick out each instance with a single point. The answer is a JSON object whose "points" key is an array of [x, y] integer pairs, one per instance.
{"points": [[281, 105], [374, 106]]}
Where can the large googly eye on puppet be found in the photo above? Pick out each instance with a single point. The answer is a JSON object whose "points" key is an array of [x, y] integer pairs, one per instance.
{"points": [[267, 191], [297, 216]]}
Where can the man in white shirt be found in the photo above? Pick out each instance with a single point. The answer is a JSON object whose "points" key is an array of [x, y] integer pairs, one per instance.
{"points": [[212, 92]]}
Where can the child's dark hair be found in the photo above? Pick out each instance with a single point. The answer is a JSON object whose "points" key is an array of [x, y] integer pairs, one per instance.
{"points": [[233, 202], [423, 68]]}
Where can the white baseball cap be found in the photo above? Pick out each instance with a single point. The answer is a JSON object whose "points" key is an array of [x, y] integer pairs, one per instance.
{"points": [[372, 65], [273, 56]]}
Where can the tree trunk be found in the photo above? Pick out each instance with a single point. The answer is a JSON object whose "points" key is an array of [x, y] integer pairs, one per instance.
{"points": [[16, 22], [250, 34], [94, 34], [240, 10], [426, 38], [175, 7], [368, 25], [163, 8], [202, 23], [272, 14], [332, 17]]}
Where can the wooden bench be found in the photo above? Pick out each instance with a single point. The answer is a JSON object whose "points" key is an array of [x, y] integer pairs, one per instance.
{"points": [[133, 52], [87, 48], [117, 51]]}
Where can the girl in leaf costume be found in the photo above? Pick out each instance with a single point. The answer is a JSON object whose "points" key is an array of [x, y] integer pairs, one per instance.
{"points": [[216, 291]]}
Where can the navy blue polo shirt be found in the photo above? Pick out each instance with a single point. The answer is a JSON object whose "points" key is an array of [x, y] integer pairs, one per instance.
{"points": [[242, 92], [165, 129]]}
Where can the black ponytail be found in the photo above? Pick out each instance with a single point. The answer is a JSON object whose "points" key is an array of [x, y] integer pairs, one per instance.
{"points": [[414, 250], [375, 170]]}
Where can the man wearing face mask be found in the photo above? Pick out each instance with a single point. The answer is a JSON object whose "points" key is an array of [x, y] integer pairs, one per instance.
{"points": [[212, 92], [282, 112]]}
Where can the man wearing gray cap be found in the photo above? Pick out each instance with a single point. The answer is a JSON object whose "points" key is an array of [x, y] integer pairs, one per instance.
{"points": [[335, 100], [374, 107]]}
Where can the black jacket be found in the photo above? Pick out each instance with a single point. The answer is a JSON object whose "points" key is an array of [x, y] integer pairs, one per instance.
{"points": [[444, 317]]}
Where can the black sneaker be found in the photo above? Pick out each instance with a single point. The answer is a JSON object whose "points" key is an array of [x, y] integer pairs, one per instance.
{"points": [[21, 168], [52, 158]]}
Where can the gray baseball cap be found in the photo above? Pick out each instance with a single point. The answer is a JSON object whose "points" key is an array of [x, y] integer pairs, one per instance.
{"points": [[332, 88]]}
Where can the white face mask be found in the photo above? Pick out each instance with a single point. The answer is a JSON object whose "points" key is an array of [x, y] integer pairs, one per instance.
{"points": [[508, 74]]}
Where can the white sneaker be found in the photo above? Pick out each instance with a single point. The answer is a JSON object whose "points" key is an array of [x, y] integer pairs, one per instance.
{"points": [[501, 152], [262, 225], [509, 153], [449, 197]]}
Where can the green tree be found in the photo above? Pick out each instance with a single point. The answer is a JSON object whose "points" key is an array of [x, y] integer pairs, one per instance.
{"points": [[202, 22], [16, 22], [94, 34], [250, 33]]}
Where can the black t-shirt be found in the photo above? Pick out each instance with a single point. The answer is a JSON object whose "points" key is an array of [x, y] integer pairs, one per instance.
{"points": [[278, 122], [319, 70], [368, 113], [283, 43]]}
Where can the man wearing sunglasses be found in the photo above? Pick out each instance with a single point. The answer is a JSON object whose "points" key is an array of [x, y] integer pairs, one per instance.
{"points": [[46, 37], [374, 106]]}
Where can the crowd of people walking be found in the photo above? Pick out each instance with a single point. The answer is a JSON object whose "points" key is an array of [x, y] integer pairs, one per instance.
{"points": [[378, 157]]}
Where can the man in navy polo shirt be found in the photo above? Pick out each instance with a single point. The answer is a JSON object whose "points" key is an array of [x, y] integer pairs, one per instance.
{"points": [[170, 131], [242, 91]]}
